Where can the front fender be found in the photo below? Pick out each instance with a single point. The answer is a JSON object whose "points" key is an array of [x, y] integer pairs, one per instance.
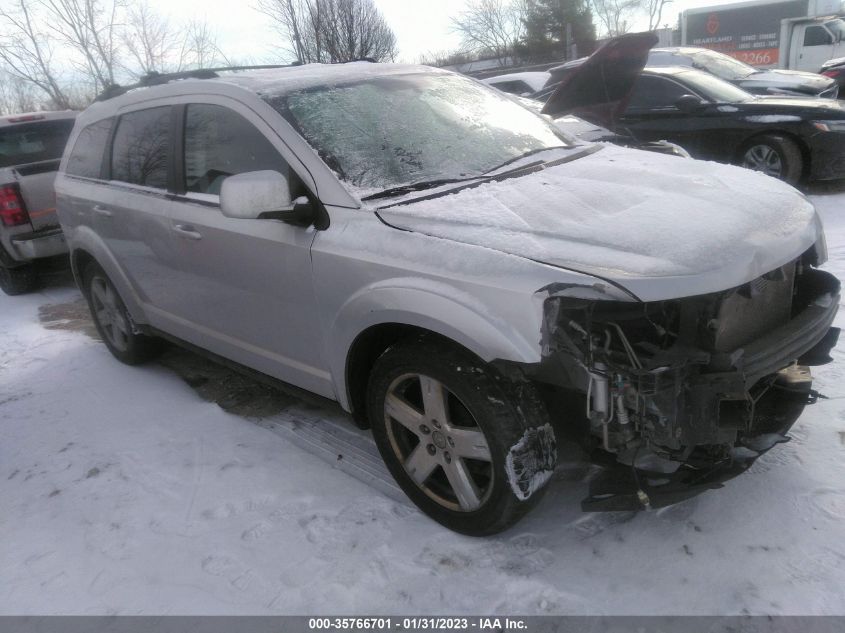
{"points": [[433, 306]]}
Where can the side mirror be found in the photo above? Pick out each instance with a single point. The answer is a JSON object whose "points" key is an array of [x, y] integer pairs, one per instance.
{"points": [[247, 196], [690, 104]]}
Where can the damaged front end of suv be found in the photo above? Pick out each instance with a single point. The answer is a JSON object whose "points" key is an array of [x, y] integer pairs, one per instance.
{"points": [[684, 394]]}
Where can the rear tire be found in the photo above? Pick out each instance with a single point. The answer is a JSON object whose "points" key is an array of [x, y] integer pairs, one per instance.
{"points": [[774, 155], [471, 449], [113, 322], [18, 280]]}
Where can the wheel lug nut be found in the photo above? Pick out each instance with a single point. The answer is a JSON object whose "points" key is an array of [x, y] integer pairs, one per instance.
{"points": [[424, 429], [447, 457], [431, 449]]}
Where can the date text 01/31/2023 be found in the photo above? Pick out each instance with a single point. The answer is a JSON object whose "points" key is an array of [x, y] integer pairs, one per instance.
{"points": [[416, 624]]}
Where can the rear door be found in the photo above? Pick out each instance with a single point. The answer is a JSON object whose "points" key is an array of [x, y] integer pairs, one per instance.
{"points": [[131, 212], [244, 286], [653, 116]]}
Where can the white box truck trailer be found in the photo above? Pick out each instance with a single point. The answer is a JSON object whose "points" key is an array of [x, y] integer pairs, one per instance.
{"points": [[794, 34]]}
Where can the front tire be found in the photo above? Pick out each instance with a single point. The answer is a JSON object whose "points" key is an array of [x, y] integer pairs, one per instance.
{"points": [[113, 321], [775, 156], [471, 449], [18, 280]]}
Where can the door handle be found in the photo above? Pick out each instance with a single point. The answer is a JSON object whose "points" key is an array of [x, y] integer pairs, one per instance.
{"points": [[188, 231], [106, 213]]}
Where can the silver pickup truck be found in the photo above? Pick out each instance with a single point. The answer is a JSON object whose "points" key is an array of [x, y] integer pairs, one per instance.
{"points": [[31, 147]]}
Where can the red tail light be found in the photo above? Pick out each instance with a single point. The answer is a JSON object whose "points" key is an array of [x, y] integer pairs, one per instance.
{"points": [[834, 72], [12, 208]]}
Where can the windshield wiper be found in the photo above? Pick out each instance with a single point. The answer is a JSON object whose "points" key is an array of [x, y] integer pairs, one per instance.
{"points": [[526, 155], [417, 186], [430, 184]]}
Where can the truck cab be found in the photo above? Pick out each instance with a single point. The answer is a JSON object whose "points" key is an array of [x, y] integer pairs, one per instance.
{"points": [[811, 42]]}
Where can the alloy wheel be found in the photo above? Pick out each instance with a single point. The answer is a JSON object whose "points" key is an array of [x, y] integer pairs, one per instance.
{"points": [[437, 440], [763, 158], [109, 313]]}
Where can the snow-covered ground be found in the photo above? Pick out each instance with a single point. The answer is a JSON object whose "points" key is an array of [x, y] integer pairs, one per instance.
{"points": [[130, 491]]}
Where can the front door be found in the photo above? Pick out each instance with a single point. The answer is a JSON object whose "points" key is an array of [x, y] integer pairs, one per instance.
{"points": [[245, 285]]}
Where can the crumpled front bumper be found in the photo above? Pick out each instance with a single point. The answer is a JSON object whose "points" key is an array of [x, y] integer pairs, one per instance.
{"points": [[622, 487], [719, 404]]}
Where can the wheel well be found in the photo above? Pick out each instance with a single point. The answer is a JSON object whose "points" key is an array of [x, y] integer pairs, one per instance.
{"points": [[79, 260], [802, 147], [365, 350]]}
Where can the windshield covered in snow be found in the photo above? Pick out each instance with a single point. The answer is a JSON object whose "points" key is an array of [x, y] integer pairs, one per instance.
{"points": [[713, 88], [722, 65], [400, 129]]}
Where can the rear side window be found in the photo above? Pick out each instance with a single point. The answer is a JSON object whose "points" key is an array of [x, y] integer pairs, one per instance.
{"points": [[221, 143], [33, 142], [86, 158], [514, 87], [141, 148], [655, 92]]}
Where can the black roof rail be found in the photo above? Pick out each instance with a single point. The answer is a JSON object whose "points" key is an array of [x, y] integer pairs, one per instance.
{"points": [[155, 78]]}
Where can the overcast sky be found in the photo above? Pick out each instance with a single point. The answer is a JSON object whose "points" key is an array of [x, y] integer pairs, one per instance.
{"points": [[421, 26]]}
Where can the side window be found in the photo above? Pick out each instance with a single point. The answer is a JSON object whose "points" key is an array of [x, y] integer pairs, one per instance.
{"points": [[221, 143], [514, 87], [655, 92], [141, 148], [86, 159], [817, 36]]}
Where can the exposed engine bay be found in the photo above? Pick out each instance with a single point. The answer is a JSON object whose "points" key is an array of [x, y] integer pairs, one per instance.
{"points": [[685, 393]]}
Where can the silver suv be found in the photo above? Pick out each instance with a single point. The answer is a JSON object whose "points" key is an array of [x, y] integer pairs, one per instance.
{"points": [[31, 146], [457, 274]]}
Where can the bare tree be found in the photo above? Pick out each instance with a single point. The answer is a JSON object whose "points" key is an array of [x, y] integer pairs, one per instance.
{"points": [[200, 47], [16, 94], [331, 30], [26, 51], [492, 27], [152, 43], [615, 15], [90, 28], [287, 19], [654, 9]]}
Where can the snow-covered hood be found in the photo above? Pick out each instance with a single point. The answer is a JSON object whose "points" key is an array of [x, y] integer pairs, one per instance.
{"points": [[830, 63], [660, 226], [791, 80]]}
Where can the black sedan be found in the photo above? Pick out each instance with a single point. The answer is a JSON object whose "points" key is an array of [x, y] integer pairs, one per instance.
{"points": [[772, 81], [785, 137], [791, 138], [835, 69]]}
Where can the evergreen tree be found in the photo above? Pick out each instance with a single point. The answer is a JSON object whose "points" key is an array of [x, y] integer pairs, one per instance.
{"points": [[552, 26]]}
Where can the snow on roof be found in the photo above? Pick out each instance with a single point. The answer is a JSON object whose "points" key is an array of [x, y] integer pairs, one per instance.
{"points": [[536, 80], [282, 80]]}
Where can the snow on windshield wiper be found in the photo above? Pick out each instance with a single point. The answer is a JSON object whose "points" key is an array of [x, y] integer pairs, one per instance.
{"points": [[526, 155], [417, 186], [430, 184]]}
